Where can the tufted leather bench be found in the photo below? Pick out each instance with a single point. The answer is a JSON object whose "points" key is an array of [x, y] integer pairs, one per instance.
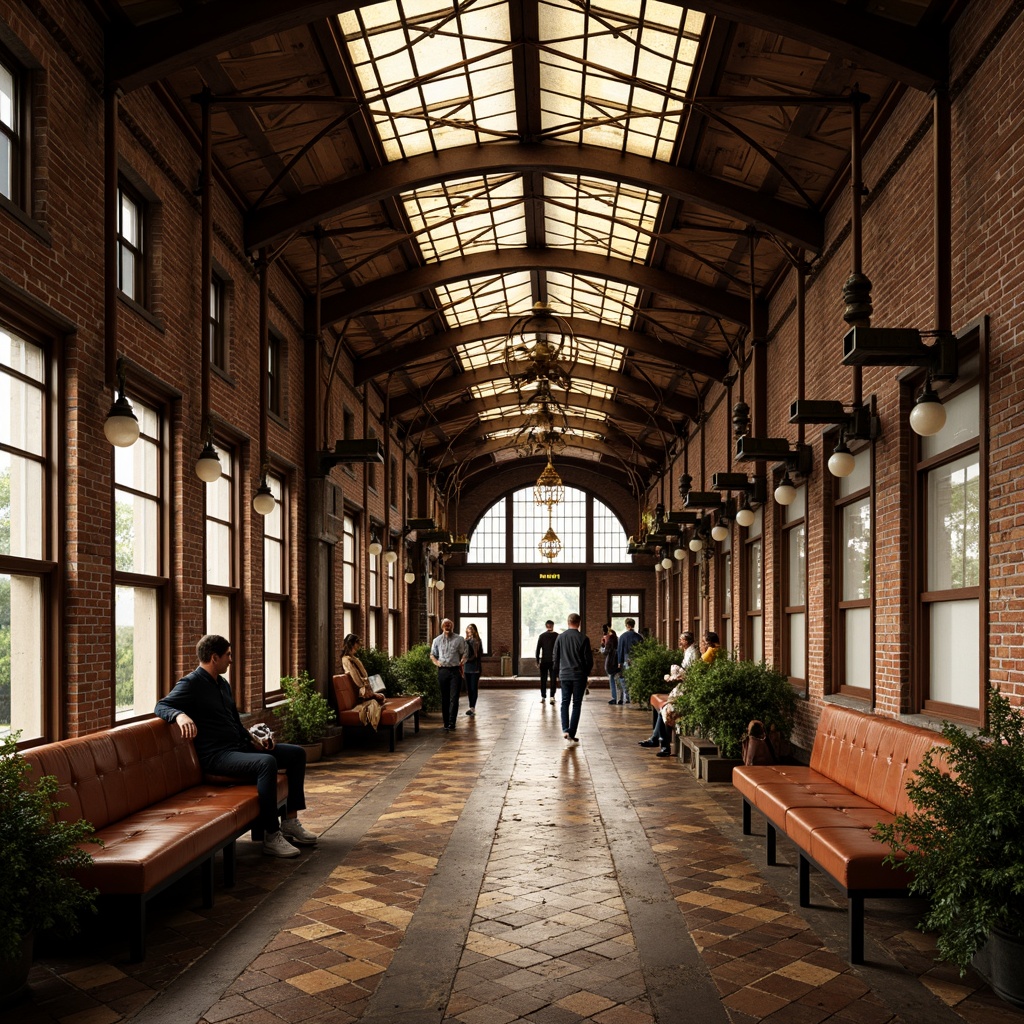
{"points": [[857, 778], [141, 787], [394, 711]]}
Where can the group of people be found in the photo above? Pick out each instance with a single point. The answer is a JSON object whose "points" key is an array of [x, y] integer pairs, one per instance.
{"points": [[457, 658]]}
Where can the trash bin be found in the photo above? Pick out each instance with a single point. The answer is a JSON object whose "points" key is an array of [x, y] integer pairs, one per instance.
{"points": [[506, 664]]}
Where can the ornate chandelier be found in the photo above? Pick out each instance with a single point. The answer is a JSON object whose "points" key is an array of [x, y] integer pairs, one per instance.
{"points": [[549, 489], [550, 545], [549, 355]]}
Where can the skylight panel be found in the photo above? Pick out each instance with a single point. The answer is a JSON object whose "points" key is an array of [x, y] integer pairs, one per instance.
{"points": [[610, 302], [435, 75], [471, 301]]}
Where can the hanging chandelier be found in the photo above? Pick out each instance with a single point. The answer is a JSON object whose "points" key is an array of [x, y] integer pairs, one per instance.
{"points": [[550, 545], [549, 489], [541, 346]]}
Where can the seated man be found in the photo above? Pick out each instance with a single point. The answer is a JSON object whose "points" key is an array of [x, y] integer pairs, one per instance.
{"points": [[204, 710], [662, 734]]}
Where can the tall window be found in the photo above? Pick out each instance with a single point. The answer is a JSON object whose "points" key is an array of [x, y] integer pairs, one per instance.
{"points": [[475, 607], [217, 327], [12, 145], [130, 237], [853, 658], [373, 625], [349, 576], [624, 604], [25, 544], [221, 549], [275, 590], [275, 373], [140, 575], [949, 472], [724, 586], [754, 632], [794, 587], [582, 523]]}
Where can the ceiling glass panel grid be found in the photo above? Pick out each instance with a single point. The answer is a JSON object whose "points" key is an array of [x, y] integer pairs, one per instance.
{"points": [[465, 303], [613, 72], [435, 74], [455, 218], [604, 217], [601, 299]]}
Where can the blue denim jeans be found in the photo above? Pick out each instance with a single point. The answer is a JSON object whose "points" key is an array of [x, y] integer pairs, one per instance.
{"points": [[573, 690], [623, 693], [263, 768]]}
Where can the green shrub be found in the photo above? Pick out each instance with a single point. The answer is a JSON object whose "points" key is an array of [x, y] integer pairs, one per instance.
{"points": [[720, 699], [964, 843], [649, 663], [415, 673], [380, 663], [306, 714], [39, 853]]}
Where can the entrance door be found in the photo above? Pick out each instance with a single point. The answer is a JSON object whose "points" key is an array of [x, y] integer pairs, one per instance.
{"points": [[536, 606]]}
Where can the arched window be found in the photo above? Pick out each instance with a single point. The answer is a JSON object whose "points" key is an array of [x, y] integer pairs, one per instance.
{"points": [[589, 531]]}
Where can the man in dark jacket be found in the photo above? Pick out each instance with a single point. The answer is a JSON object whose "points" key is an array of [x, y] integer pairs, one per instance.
{"points": [[202, 707], [571, 662], [545, 645]]}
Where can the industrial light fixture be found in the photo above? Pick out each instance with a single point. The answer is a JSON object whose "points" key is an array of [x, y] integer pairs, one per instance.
{"points": [[410, 576], [841, 462], [666, 562], [785, 493], [745, 514], [208, 467], [459, 544], [696, 544], [439, 585], [375, 547], [879, 346], [540, 345], [858, 424], [121, 426], [549, 489], [752, 490], [390, 556], [679, 554], [263, 502], [353, 450]]}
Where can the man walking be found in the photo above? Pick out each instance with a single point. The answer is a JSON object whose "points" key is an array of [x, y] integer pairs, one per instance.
{"points": [[448, 652], [627, 641], [545, 645], [571, 662], [202, 707]]}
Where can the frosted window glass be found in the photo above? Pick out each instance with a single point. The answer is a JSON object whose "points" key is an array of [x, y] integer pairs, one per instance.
{"points": [[273, 646], [860, 478], [796, 550], [799, 507], [856, 624], [963, 418], [954, 652], [797, 642]]}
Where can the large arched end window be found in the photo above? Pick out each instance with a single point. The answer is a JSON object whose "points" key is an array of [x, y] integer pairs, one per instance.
{"points": [[511, 528]]}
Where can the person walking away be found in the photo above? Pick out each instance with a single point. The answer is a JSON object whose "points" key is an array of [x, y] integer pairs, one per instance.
{"points": [[610, 650], [545, 645], [448, 652], [471, 669], [627, 641], [571, 662], [202, 707]]}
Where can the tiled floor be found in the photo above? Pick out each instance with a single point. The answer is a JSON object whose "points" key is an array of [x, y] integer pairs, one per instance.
{"points": [[498, 874]]}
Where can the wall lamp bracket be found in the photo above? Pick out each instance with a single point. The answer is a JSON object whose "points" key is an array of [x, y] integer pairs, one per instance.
{"points": [[703, 499], [353, 450], [682, 518], [774, 449], [757, 489], [897, 346], [859, 424]]}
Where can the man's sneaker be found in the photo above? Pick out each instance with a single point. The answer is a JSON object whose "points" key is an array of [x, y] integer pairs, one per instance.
{"points": [[551, 701], [275, 845], [293, 830]]}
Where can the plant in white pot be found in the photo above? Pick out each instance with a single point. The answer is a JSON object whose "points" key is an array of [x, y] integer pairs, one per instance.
{"points": [[964, 844], [39, 853]]}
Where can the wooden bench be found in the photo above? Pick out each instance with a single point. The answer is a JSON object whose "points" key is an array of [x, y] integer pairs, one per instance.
{"points": [[860, 765], [142, 788], [393, 713]]}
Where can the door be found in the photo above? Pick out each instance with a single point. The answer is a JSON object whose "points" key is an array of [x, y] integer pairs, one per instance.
{"points": [[537, 604]]}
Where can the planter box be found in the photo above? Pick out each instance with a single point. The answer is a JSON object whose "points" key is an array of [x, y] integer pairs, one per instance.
{"points": [[332, 742], [718, 769], [691, 749]]}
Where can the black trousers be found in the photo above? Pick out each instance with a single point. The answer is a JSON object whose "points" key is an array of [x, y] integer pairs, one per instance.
{"points": [[451, 683], [545, 676]]}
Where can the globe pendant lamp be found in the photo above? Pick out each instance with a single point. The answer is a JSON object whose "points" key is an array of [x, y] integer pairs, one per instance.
{"points": [[841, 462], [745, 516], [121, 426], [666, 562], [263, 502], [208, 466], [679, 554], [719, 532], [928, 416], [785, 493]]}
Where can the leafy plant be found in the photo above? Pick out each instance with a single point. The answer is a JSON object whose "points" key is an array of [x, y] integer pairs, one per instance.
{"points": [[720, 699], [39, 853], [964, 842], [306, 713], [378, 662], [649, 663], [417, 674]]}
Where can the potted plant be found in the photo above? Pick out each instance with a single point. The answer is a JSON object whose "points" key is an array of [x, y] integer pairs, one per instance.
{"points": [[964, 845], [306, 714], [415, 673], [649, 663], [39, 853], [380, 663], [722, 697]]}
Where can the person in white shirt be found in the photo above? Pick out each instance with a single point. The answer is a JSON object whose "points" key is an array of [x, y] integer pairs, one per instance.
{"points": [[448, 652]]}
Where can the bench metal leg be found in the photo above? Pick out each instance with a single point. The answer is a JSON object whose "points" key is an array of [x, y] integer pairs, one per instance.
{"points": [[391, 738], [769, 843], [137, 930], [746, 817], [805, 882], [206, 874], [416, 721], [401, 731], [856, 928], [229, 865]]}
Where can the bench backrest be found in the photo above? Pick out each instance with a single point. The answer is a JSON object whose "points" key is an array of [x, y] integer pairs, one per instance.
{"points": [[105, 776], [871, 755], [346, 693]]}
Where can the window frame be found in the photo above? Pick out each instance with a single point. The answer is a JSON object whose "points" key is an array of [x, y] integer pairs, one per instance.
{"points": [[275, 383], [217, 326], [350, 572], [620, 616], [724, 591], [231, 590], [125, 190], [18, 135], [463, 618], [753, 619], [282, 598], [972, 341]]}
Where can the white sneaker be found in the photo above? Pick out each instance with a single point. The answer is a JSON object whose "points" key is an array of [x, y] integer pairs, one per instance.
{"points": [[275, 845], [550, 701], [292, 829]]}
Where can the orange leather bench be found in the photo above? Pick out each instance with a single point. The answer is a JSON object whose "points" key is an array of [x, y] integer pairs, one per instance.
{"points": [[142, 788], [857, 778], [393, 713]]}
